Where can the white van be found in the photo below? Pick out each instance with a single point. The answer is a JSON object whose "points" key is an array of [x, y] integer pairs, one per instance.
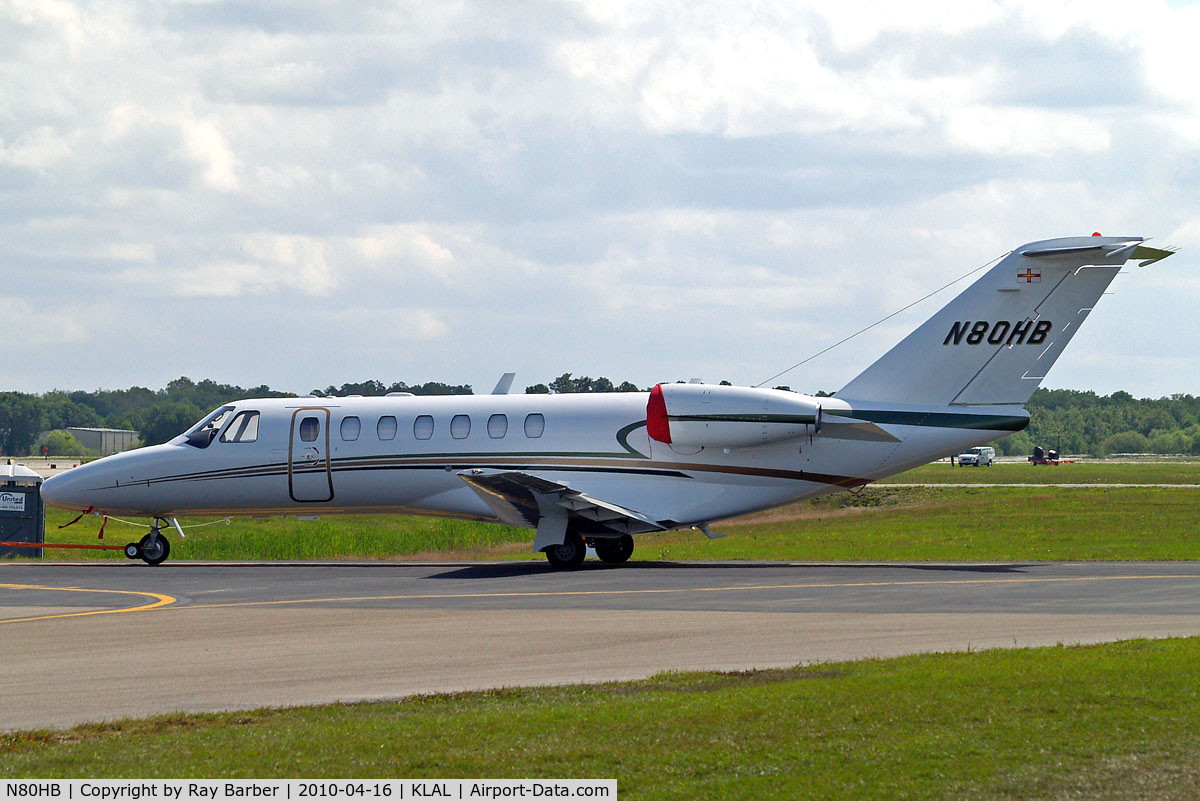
{"points": [[977, 456]]}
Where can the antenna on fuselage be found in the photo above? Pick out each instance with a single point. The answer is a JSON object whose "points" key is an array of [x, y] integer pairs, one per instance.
{"points": [[504, 384]]}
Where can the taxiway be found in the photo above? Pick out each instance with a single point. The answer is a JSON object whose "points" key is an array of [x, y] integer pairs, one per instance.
{"points": [[105, 640]]}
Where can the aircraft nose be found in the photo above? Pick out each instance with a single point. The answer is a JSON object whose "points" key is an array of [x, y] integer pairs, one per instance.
{"points": [[64, 490]]}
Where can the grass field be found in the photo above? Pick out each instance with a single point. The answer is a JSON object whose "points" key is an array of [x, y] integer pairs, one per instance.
{"points": [[1118, 721], [879, 524], [1158, 472], [959, 523], [331, 537]]}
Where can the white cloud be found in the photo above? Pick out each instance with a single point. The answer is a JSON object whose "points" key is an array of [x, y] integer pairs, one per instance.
{"points": [[39, 149], [206, 145], [295, 261], [1018, 131], [371, 328], [408, 246], [46, 326], [552, 186], [271, 263]]}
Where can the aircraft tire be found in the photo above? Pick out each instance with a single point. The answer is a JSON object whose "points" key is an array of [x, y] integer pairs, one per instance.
{"points": [[157, 553], [615, 551], [569, 555]]}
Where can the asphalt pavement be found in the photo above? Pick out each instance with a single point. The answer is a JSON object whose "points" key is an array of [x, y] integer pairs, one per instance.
{"points": [[104, 640]]}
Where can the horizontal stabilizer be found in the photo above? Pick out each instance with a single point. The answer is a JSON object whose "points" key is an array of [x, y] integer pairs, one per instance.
{"points": [[1150, 254], [1077, 250]]}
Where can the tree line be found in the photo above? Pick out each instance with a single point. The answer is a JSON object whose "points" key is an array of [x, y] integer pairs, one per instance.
{"points": [[157, 415], [1071, 421]]}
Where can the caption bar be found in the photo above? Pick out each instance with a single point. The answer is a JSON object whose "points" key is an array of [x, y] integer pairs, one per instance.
{"points": [[288, 789]]}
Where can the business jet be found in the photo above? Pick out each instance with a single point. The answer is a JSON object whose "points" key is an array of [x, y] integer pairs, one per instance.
{"points": [[597, 469]]}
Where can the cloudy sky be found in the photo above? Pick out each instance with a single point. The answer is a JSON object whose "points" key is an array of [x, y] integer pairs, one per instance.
{"points": [[306, 193]]}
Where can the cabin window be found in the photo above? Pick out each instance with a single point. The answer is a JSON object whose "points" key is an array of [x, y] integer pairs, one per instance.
{"points": [[351, 426], [497, 426], [244, 428], [460, 426], [309, 428], [423, 427], [535, 425], [386, 428]]}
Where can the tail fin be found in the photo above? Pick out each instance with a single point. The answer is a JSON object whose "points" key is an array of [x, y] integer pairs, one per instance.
{"points": [[994, 343]]}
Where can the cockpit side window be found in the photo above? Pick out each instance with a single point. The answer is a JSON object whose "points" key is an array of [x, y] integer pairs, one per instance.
{"points": [[243, 428], [203, 433]]}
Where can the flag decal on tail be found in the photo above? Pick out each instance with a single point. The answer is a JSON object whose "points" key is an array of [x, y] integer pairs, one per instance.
{"points": [[1029, 277]]}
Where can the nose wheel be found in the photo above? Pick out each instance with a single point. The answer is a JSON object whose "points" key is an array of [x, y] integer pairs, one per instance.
{"points": [[153, 549]]}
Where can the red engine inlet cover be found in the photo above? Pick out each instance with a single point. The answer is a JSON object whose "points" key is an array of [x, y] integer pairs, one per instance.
{"points": [[657, 425]]}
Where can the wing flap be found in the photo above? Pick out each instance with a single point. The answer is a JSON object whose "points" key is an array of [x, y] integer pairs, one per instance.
{"points": [[523, 499]]}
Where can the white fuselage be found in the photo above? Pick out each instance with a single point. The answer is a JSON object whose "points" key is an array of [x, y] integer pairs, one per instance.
{"points": [[593, 443]]}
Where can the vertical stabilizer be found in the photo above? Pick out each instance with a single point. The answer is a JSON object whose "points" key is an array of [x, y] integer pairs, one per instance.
{"points": [[995, 342]]}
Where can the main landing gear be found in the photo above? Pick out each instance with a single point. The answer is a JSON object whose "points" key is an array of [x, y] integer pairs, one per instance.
{"points": [[614, 551], [154, 548], [571, 553]]}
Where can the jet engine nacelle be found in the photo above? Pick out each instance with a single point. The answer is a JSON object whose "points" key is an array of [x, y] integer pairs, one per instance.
{"points": [[716, 416]]}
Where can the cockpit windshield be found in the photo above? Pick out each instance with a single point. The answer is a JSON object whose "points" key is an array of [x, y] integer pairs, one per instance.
{"points": [[204, 432]]}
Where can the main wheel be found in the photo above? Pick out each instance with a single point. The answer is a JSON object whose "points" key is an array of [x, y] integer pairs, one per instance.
{"points": [[154, 550], [569, 555], [614, 551]]}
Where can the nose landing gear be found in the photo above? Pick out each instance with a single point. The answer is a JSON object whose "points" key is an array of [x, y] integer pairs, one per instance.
{"points": [[153, 549]]}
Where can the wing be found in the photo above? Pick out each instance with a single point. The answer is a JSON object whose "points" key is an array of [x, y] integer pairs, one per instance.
{"points": [[523, 499]]}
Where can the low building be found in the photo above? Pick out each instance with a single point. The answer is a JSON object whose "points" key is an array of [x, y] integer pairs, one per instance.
{"points": [[105, 440]]}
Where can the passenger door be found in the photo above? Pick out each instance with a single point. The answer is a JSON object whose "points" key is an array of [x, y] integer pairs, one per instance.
{"points": [[310, 479]]}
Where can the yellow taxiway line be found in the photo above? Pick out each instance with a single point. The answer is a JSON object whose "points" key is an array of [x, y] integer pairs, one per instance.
{"points": [[166, 601], [160, 600], [669, 590]]}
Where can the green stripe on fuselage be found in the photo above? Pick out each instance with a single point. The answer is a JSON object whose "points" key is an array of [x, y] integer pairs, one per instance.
{"points": [[983, 422]]}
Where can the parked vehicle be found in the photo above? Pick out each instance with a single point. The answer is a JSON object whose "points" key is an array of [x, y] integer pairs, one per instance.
{"points": [[1050, 457], [976, 457]]}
